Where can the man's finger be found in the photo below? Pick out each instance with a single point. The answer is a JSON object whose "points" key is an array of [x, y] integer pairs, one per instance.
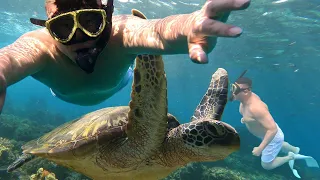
{"points": [[2, 98], [211, 27], [212, 7], [197, 54]]}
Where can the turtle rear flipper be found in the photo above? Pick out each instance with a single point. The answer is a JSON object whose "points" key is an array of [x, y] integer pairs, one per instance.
{"points": [[213, 102], [22, 159]]}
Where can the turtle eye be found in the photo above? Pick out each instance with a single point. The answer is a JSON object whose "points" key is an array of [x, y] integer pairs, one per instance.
{"points": [[215, 129]]}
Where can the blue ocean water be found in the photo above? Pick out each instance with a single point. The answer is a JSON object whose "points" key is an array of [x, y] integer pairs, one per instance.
{"points": [[280, 48]]}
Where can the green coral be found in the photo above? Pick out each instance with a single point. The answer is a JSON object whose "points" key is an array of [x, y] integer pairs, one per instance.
{"points": [[3, 149], [43, 175], [21, 129], [59, 171], [190, 171], [222, 174], [7, 152], [226, 173], [240, 165]]}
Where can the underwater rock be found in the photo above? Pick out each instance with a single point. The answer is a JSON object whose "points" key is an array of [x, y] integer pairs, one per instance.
{"points": [[226, 173], [222, 174], [190, 171]]}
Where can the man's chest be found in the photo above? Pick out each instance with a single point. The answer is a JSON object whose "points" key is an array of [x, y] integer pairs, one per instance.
{"points": [[244, 111]]}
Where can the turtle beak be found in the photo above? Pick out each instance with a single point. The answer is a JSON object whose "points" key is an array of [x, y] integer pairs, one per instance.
{"points": [[233, 138], [227, 136]]}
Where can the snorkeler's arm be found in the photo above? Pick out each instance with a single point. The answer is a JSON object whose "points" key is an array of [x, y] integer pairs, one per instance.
{"points": [[195, 33], [263, 116], [23, 57], [151, 36]]}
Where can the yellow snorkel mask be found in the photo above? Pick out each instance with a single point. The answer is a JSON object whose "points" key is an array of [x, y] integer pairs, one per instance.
{"points": [[62, 27], [94, 23]]}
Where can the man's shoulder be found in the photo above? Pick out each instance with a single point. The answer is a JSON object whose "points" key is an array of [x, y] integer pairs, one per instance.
{"points": [[39, 38], [124, 18], [37, 44], [41, 34], [258, 108]]}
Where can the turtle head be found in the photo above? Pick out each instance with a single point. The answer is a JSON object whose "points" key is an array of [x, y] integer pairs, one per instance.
{"points": [[210, 139], [205, 138], [201, 140]]}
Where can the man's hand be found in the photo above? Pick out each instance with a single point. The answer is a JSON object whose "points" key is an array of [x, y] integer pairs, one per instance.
{"points": [[246, 119], [208, 25], [257, 151], [242, 121]]}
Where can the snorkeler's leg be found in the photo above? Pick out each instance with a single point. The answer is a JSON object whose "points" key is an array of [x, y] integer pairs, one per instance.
{"points": [[269, 156], [278, 161], [286, 147]]}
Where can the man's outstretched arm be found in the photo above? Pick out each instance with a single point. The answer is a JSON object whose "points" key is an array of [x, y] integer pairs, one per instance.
{"points": [[24, 57], [194, 33]]}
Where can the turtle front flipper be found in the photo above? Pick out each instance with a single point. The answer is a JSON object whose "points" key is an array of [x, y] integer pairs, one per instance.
{"points": [[24, 158], [213, 102], [148, 106]]}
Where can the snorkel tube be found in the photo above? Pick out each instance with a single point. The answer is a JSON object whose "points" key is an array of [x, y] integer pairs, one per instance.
{"points": [[231, 98], [86, 58]]}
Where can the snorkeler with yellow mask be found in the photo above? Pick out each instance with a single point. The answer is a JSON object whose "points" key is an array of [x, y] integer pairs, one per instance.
{"points": [[83, 53]]}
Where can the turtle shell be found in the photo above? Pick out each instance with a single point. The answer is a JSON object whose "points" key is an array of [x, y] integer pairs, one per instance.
{"points": [[107, 123]]}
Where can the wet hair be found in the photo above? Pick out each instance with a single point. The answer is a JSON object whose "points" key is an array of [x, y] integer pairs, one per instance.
{"points": [[71, 5], [245, 80]]}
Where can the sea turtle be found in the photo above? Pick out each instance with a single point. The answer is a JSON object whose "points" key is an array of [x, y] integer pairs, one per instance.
{"points": [[142, 140]]}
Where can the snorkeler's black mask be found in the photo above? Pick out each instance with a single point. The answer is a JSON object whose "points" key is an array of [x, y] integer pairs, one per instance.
{"points": [[90, 23], [235, 88]]}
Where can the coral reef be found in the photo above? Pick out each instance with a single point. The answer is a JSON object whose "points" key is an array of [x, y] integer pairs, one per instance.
{"points": [[21, 129], [14, 132], [43, 174], [39, 112], [7, 151], [59, 171], [4, 145]]}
